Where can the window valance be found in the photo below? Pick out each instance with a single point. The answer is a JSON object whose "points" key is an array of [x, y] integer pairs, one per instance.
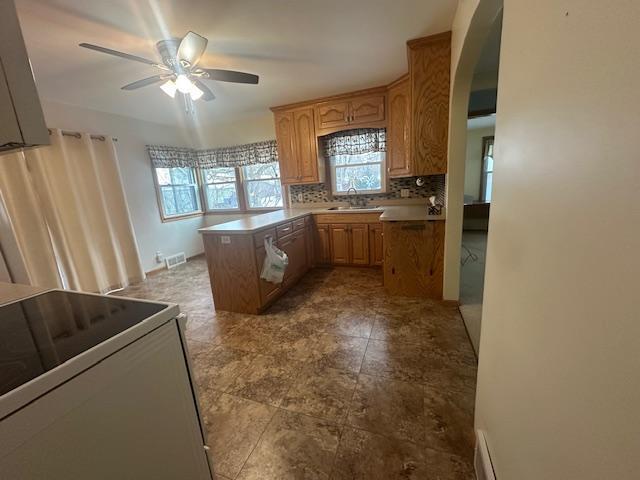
{"points": [[238, 156], [354, 142]]}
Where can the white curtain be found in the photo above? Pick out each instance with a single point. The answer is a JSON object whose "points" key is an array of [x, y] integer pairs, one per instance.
{"points": [[74, 185]]}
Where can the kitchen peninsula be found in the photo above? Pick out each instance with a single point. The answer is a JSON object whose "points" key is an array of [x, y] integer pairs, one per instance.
{"points": [[411, 254]]}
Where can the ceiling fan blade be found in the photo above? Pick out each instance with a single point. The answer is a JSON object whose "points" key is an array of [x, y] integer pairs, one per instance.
{"points": [[191, 48], [145, 82], [231, 76], [116, 53], [208, 94]]}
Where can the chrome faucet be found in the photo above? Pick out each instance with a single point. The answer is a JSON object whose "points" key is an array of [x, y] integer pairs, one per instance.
{"points": [[355, 192]]}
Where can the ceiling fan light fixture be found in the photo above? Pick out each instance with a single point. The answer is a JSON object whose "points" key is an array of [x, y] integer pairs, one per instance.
{"points": [[169, 87], [195, 92], [183, 83]]}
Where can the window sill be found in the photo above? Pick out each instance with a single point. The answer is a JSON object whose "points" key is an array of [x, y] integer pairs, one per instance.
{"points": [[181, 217]]}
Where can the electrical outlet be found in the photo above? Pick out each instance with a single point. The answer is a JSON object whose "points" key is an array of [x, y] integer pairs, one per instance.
{"points": [[404, 192], [159, 257], [300, 198]]}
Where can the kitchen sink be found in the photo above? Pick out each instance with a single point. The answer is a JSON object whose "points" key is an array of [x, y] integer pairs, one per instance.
{"points": [[363, 207]]}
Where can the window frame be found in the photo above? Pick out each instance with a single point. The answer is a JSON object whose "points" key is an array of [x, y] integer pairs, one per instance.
{"points": [[383, 175], [486, 142], [241, 203], [245, 183], [158, 188]]}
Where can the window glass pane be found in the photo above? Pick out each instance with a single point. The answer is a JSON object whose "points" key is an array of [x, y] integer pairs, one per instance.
{"points": [[222, 196], [168, 201], [260, 171], [218, 175], [182, 176], [264, 193], [372, 157], [186, 199], [488, 164], [488, 187], [163, 175], [363, 177]]}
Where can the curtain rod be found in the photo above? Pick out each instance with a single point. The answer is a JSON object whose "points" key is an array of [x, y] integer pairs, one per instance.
{"points": [[79, 135]]}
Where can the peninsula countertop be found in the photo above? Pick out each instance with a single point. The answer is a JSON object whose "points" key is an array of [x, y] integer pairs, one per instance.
{"points": [[250, 224]]}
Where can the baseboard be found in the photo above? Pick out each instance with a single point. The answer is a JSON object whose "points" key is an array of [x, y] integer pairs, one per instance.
{"points": [[155, 271], [482, 461]]}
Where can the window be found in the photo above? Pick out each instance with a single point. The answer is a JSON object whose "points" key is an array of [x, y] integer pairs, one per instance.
{"points": [[262, 186], [487, 169], [365, 172], [178, 191], [220, 188]]}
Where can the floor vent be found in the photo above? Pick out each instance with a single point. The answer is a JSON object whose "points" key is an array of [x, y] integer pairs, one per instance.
{"points": [[175, 260], [482, 461]]}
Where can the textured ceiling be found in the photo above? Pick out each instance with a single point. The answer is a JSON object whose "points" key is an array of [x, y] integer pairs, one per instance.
{"points": [[300, 48]]}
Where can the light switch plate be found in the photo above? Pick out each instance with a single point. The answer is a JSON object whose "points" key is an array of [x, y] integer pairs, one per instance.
{"points": [[225, 239], [404, 192], [300, 198]]}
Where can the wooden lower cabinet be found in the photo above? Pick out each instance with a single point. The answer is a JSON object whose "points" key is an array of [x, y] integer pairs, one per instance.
{"points": [[414, 258], [294, 246], [349, 244], [322, 244], [376, 245], [339, 238]]}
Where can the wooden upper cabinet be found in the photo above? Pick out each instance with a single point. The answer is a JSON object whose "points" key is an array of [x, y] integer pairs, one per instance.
{"points": [[297, 146], [330, 115], [359, 244], [366, 109], [285, 139], [306, 145], [398, 129], [429, 72]]}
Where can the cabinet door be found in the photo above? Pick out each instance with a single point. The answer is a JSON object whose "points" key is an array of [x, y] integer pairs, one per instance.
{"points": [[367, 109], [268, 290], [310, 243], [331, 115], [359, 244], [339, 236], [295, 248], [289, 171], [398, 135], [376, 250], [322, 245], [306, 145]]}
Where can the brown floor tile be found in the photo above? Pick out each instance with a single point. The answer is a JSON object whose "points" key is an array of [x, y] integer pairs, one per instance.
{"points": [[321, 393], [339, 352], [350, 321], [369, 456], [216, 366], [234, 426], [445, 466], [449, 421], [391, 408], [394, 360], [405, 329], [267, 379], [293, 446]]}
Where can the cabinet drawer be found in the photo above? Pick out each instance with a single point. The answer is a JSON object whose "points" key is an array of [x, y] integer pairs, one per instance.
{"points": [[298, 224], [258, 238], [284, 229]]}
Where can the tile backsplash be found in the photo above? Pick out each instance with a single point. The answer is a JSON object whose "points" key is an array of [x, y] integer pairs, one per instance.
{"points": [[318, 193]]}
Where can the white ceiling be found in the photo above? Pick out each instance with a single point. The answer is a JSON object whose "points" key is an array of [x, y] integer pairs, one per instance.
{"points": [[300, 48], [481, 122]]}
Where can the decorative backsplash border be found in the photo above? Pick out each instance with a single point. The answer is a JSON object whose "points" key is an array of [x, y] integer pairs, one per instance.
{"points": [[317, 193]]}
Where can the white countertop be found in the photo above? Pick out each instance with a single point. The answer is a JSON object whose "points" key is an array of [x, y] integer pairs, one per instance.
{"points": [[258, 222]]}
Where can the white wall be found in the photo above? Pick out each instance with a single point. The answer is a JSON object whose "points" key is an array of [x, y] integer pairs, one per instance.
{"points": [[473, 164], [151, 233], [559, 374]]}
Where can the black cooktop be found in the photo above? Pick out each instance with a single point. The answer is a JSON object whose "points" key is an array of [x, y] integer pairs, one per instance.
{"points": [[39, 333]]}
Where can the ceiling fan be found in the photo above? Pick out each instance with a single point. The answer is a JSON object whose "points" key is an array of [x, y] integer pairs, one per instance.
{"points": [[180, 69]]}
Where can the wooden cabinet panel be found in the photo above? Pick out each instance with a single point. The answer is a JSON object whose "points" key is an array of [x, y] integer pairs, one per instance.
{"points": [[398, 129], [310, 244], [306, 145], [339, 238], [376, 245], [414, 258], [289, 171], [268, 290], [359, 244], [284, 229], [332, 114], [429, 69], [366, 109], [322, 245], [295, 248]]}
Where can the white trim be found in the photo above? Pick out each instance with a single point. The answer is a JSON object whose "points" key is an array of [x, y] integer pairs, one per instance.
{"points": [[482, 460]]}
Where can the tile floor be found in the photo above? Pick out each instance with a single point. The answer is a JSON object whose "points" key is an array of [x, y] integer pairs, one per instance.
{"points": [[336, 381]]}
